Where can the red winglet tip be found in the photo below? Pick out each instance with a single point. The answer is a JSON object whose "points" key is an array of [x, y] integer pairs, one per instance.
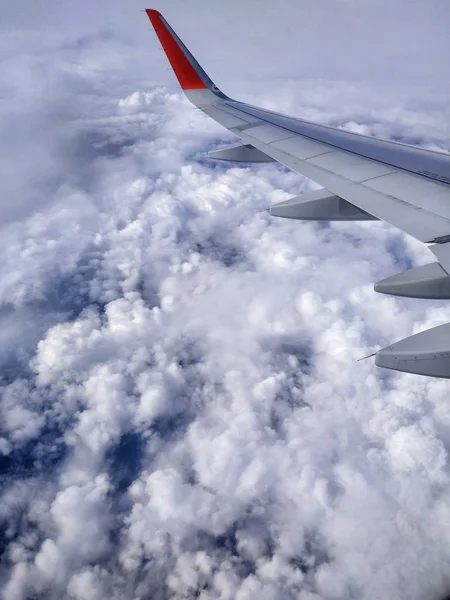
{"points": [[185, 72], [152, 12]]}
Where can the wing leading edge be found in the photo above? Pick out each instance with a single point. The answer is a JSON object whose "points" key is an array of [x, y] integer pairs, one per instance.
{"points": [[364, 177]]}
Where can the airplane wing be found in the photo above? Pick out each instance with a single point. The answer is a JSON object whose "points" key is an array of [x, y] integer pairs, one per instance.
{"points": [[364, 178]]}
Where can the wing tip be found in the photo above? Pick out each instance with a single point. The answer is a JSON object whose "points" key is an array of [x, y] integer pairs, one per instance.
{"points": [[152, 12], [185, 67]]}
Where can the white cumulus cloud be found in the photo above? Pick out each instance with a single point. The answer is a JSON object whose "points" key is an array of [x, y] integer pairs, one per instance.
{"points": [[181, 411]]}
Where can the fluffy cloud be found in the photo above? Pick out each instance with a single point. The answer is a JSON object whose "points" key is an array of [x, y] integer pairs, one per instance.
{"points": [[182, 413]]}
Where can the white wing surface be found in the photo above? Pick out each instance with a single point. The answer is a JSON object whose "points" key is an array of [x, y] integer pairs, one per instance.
{"points": [[364, 177]]}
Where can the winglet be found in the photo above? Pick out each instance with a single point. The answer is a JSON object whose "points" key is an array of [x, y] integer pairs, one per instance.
{"points": [[189, 73]]}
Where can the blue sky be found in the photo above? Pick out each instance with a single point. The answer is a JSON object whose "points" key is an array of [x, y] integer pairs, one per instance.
{"points": [[182, 413]]}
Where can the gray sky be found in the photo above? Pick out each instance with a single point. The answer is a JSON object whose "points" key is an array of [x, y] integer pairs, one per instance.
{"points": [[396, 43]]}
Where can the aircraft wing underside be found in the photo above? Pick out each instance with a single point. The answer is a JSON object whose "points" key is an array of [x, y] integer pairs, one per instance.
{"points": [[363, 177]]}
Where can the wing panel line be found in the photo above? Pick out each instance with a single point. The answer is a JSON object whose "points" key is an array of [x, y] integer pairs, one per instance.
{"points": [[416, 221], [429, 176]]}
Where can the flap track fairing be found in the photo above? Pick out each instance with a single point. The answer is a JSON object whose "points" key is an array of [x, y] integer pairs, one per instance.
{"points": [[426, 353], [243, 153], [319, 206], [428, 281]]}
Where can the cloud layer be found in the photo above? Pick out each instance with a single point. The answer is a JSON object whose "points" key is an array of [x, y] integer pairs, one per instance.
{"points": [[182, 413]]}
